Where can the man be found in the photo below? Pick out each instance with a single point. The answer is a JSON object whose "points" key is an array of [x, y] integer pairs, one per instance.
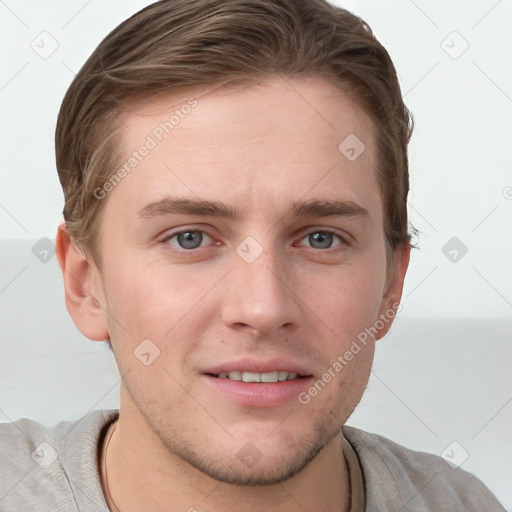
{"points": [[235, 177]]}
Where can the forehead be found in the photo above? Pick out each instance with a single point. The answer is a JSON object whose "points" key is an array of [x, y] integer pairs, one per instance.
{"points": [[265, 143]]}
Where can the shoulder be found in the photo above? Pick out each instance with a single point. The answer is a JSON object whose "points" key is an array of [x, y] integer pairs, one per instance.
{"points": [[399, 478], [41, 467]]}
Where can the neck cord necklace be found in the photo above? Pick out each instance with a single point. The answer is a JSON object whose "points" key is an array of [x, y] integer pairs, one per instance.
{"points": [[110, 501]]}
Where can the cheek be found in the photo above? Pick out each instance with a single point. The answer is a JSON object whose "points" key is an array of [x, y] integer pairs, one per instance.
{"points": [[155, 300], [134, 299], [348, 300]]}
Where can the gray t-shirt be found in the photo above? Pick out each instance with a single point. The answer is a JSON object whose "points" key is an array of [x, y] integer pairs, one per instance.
{"points": [[56, 469]]}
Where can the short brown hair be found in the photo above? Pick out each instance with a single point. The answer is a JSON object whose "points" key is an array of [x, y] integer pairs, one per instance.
{"points": [[174, 44]]}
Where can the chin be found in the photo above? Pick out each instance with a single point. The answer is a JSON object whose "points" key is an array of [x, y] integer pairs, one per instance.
{"points": [[249, 466], [257, 470]]}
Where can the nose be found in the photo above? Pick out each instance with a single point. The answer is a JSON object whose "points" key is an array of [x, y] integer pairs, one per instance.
{"points": [[259, 298]]}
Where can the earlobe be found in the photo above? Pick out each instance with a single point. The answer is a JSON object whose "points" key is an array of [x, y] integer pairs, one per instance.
{"points": [[82, 288], [393, 293]]}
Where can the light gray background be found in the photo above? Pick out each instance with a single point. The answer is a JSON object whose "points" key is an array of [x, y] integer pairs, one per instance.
{"points": [[443, 374]]}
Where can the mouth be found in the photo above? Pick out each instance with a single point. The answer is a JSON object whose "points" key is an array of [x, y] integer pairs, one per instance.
{"points": [[258, 383], [255, 377]]}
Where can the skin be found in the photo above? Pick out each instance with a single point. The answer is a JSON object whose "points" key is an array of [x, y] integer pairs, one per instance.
{"points": [[257, 149]]}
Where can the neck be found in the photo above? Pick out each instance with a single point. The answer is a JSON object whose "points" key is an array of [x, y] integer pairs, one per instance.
{"points": [[144, 475]]}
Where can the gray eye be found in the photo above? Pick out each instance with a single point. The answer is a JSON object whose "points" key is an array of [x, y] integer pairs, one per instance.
{"points": [[189, 239], [320, 240]]}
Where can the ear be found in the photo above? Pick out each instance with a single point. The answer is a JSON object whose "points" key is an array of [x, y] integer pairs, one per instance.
{"points": [[83, 288], [391, 299]]}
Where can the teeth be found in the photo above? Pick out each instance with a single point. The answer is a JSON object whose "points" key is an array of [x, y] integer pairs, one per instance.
{"points": [[251, 377], [257, 377], [269, 377]]}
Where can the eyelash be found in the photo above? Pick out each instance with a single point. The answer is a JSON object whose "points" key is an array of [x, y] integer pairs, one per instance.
{"points": [[342, 240]]}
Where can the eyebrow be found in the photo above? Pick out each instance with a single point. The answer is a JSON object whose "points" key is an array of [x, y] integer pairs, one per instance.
{"points": [[316, 208]]}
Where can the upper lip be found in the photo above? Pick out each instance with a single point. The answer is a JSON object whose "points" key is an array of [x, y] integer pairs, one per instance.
{"points": [[259, 366]]}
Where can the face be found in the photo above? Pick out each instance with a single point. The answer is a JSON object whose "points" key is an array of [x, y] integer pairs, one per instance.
{"points": [[244, 244]]}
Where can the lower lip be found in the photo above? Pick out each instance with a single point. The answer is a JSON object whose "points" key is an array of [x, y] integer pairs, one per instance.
{"points": [[259, 394]]}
